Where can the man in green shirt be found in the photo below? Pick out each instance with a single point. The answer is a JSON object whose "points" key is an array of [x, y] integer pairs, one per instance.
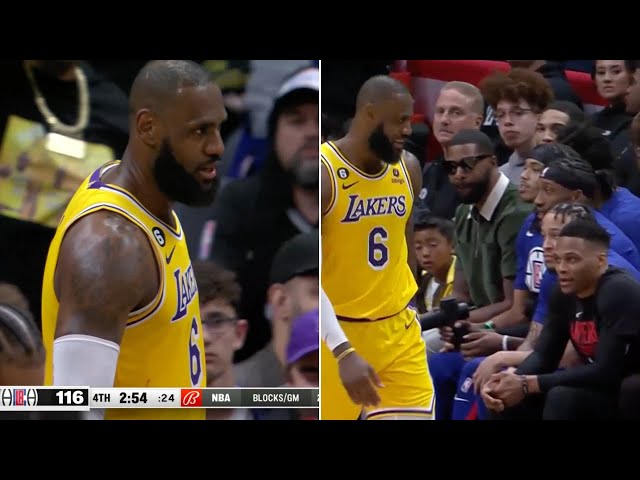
{"points": [[487, 224]]}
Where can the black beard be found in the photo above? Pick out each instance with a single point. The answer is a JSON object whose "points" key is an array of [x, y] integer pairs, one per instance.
{"points": [[178, 184], [475, 195], [382, 147]]}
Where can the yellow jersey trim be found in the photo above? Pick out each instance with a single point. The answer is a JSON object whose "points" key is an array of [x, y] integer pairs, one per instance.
{"points": [[366, 175], [334, 184]]}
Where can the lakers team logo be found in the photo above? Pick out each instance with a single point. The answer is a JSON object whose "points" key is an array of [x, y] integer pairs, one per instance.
{"points": [[376, 206], [186, 290], [535, 269], [343, 173]]}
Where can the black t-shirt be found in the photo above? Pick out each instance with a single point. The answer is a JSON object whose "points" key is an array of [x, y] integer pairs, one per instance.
{"points": [[604, 329]]}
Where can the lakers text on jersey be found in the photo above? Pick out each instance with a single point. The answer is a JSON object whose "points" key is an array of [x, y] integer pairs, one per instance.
{"points": [[163, 343], [364, 250]]}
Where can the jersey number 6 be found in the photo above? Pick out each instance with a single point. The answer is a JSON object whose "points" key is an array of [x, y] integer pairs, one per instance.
{"points": [[195, 356], [378, 251]]}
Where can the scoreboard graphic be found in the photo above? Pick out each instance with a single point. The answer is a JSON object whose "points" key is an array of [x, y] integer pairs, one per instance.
{"points": [[85, 398]]}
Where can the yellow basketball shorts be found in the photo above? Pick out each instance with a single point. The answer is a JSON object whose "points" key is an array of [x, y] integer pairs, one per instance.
{"points": [[395, 349]]}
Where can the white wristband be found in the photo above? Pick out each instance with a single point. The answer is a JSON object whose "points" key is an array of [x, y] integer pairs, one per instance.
{"points": [[505, 339], [332, 333]]}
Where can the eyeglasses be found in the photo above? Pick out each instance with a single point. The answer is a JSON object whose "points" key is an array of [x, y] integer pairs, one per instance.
{"points": [[467, 164], [217, 320], [515, 113]]}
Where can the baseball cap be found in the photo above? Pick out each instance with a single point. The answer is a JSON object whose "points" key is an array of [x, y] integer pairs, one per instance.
{"points": [[297, 256], [305, 79], [305, 336], [301, 87]]}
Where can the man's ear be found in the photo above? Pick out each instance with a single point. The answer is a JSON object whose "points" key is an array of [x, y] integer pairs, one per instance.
{"points": [[603, 260], [240, 333], [147, 127]]}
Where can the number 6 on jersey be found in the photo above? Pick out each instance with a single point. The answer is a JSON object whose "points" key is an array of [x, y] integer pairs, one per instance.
{"points": [[378, 251]]}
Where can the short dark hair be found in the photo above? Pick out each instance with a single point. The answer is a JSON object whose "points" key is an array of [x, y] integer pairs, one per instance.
{"points": [[595, 149], [474, 137], [573, 111], [444, 226], [160, 80], [574, 211], [586, 139], [548, 153], [20, 338], [215, 282], [587, 230]]}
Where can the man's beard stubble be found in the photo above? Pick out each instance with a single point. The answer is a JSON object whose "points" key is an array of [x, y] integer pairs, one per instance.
{"points": [[382, 147], [178, 184], [476, 193], [304, 171]]}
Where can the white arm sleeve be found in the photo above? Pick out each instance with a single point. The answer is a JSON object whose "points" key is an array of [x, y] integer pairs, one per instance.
{"points": [[83, 360], [332, 333]]}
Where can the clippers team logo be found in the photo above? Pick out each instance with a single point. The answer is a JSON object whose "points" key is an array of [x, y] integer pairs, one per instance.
{"points": [[19, 397], [190, 398], [466, 385], [535, 269], [343, 173]]}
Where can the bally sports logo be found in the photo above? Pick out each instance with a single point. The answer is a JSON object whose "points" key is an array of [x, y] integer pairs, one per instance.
{"points": [[190, 397]]}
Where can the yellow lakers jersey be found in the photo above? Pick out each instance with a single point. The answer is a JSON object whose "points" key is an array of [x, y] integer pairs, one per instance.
{"points": [[163, 343], [364, 250]]}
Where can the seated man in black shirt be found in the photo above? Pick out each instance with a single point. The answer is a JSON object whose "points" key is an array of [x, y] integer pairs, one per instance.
{"points": [[595, 307]]}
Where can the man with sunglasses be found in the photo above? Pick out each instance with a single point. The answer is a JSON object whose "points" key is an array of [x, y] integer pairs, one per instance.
{"points": [[487, 224]]}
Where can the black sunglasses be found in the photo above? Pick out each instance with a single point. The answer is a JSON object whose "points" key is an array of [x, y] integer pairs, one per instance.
{"points": [[467, 164]]}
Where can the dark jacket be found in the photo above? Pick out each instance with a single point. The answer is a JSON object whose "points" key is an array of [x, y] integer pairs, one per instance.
{"points": [[251, 223], [613, 119], [441, 197]]}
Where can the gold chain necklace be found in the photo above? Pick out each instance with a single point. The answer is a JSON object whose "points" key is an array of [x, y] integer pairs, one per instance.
{"points": [[55, 125]]}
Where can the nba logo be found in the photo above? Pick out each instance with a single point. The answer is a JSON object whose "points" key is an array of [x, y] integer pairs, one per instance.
{"points": [[18, 397], [396, 173], [190, 397]]}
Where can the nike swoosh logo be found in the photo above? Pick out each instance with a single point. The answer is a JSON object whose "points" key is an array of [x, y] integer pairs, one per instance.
{"points": [[345, 186], [529, 234], [170, 256], [458, 399]]}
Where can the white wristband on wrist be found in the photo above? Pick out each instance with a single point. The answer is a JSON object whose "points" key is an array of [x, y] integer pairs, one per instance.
{"points": [[505, 339]]}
